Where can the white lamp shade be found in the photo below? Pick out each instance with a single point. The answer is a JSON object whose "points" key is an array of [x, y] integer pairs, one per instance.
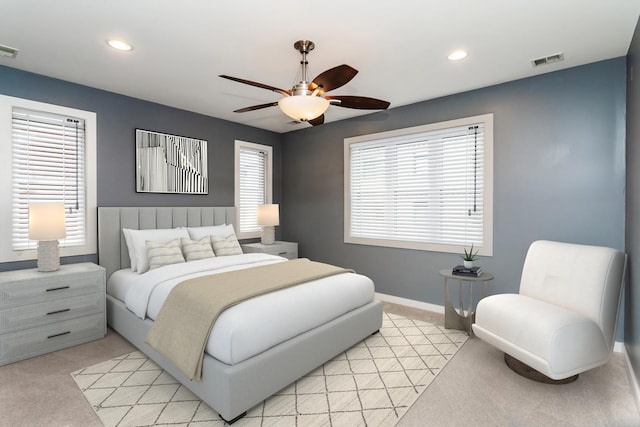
{"points": [[268, 215], [47, 221], [303, 107]]}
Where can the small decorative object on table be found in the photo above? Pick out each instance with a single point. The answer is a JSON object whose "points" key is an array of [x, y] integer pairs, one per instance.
{"points": [[461, 270], [469, 256]]}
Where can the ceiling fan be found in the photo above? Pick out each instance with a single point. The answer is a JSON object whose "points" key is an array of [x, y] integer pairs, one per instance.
{"points": [[306, 101]]}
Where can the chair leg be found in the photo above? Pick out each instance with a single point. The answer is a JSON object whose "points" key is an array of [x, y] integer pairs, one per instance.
{"points": [[528, 372]]}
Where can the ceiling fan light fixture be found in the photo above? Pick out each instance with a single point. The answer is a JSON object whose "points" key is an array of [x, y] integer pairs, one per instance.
{"points": [[303, 107]]}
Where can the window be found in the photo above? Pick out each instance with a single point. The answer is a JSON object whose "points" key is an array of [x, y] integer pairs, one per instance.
{"points": [[252, 185], [428, 187], [52, 159]]}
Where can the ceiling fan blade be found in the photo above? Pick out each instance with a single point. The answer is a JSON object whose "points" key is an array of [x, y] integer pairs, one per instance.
{"points": [[255, 107], [256, 84], [317, 121], [333, 78], [358, 102]]}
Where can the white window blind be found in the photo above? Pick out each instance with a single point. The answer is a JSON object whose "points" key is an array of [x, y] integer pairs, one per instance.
{"points": [[424, 187], [48, 165], [253, 184]]}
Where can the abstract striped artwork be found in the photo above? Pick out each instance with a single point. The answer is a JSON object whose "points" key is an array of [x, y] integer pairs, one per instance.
{"points": [[170, 164]]}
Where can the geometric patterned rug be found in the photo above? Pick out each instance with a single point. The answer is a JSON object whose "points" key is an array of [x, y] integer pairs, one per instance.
{"points": [[371, 384]]}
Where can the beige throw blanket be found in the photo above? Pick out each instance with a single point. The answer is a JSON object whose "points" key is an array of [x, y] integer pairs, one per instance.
{"points": [[182, 327]]}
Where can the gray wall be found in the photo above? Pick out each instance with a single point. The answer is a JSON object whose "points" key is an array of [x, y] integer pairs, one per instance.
{"points": [[117, 118], [558, 168], [632, 237], [558, 174]]}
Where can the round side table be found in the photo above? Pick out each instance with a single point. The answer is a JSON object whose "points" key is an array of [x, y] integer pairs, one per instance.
{"points": [[462, 319]]}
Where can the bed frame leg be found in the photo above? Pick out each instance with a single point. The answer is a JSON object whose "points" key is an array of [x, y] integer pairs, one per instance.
{"points": [[235, 419]]}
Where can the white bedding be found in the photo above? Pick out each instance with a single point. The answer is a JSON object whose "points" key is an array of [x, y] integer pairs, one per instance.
{"points": [[255, 325]]}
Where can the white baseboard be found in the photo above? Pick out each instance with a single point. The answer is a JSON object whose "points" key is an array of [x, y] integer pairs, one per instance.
{"points": [[411, 303], [632, 378]]}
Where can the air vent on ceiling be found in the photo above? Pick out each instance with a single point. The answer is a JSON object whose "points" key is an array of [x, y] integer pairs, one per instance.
{"points": [[548, 59], [8, 52]]}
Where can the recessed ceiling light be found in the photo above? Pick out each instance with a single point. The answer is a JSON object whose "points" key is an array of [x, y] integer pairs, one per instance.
{"points": [[457, 55], [119, 44]]}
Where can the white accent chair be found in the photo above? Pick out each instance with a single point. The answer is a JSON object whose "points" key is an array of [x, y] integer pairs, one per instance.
{"points": [[563, 320]]}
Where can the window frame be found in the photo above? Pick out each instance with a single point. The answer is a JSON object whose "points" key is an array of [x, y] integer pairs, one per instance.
{"points": [[239, 144], [487, 247], [7, 103]]}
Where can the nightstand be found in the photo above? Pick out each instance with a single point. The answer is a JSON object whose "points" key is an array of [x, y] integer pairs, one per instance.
{"points": [[44, 312], [287, 250]]}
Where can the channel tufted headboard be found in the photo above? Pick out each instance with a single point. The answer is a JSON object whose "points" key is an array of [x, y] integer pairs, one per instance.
{"points": [[112, 248]]}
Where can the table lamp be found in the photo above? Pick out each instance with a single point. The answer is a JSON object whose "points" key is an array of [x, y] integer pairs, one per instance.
{"points": [[47, 225], [268, 218]]}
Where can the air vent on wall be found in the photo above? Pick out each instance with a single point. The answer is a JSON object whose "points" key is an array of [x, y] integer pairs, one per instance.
{"points": [[548, 59], [8, 52]]}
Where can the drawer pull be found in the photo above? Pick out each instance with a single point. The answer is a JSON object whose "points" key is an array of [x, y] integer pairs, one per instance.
{"points": [[58, 289], [282, 253], [57, 335], [58, 311]]}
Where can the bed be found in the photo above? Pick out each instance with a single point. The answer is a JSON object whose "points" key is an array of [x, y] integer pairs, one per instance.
{"points": [[230, 385]]}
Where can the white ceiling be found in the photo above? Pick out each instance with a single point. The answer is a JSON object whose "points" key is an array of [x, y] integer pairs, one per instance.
{"points": [[400, 47]]}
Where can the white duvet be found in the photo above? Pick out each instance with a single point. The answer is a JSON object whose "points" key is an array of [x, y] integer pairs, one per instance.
{"points": [[255, 325]]}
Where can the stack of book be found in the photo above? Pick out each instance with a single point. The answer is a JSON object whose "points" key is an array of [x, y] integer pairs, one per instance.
{"points": [[461, 270]]}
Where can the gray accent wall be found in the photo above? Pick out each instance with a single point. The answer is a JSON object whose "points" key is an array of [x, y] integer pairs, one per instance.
{"points": [[559, 174], [117, 118], [632, 237]]}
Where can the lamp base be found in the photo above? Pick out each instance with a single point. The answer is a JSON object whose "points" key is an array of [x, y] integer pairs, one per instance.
{"points": [[48, 255], [268, 235]]}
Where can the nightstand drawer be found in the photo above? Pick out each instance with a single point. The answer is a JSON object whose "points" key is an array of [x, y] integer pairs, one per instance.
{"points": [[32, 315], [287, 250], [34, 287], [35, 341], [288, 254]]}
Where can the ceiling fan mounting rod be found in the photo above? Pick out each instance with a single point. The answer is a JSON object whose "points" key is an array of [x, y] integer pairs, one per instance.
{"points": [[304, 47]]}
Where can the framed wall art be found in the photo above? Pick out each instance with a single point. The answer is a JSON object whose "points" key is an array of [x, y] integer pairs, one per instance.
{"points": [[170, 164]]}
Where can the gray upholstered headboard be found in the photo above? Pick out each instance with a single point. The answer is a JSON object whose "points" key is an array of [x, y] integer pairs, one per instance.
{"points": [[112, 248]]}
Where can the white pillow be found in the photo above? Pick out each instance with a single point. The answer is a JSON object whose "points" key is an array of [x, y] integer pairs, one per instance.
{"points": [[132, 253], [197, 249], [223, 246], [161, 254], [197, 233], [139, 238]]}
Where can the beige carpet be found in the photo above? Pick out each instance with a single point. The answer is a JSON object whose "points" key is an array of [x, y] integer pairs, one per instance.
{"points": [[372, 384], [477, 388]]}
